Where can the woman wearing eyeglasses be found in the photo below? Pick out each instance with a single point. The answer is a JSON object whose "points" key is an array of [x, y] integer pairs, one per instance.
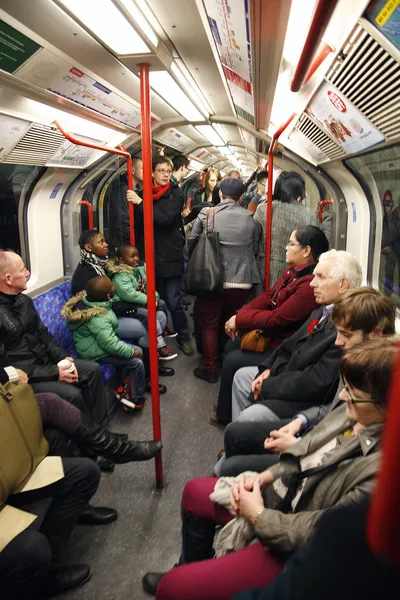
{"points": [[333, 465], [168, 200]]}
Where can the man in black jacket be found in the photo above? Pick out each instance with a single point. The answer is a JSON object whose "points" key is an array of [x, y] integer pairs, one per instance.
{"points": [[26, 344], [303, 371]]}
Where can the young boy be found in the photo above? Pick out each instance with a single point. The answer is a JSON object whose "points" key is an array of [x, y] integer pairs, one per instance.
{"points": [[129, 280], [93, 324]]}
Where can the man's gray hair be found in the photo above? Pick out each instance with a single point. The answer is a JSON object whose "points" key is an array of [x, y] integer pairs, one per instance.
{"points": [[6, 262], [345, 265]]}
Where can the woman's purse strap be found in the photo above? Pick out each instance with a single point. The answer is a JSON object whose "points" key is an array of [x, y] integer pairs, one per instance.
{"points": [[208, 211], [286, 504]]}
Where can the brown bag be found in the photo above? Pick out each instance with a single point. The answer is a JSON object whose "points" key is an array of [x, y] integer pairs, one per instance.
{"points": [[22, 444], [255, 341]]}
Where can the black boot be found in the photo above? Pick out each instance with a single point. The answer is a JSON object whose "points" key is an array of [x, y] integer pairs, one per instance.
{"points": [[107, 444], [197, 538]]}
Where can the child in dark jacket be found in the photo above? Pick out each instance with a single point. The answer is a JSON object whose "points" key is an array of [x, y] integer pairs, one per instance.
{"points": [[129, 280], [94, 325]]}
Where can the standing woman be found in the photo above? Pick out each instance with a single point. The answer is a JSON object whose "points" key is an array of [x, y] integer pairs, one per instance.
{"points": [[205, 196], [288, 213], [237, 235]]}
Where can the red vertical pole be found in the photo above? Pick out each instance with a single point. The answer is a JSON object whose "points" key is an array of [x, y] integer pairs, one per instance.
{"points": [[90, 212], [268, 224], [150, 262], [130, 187]]}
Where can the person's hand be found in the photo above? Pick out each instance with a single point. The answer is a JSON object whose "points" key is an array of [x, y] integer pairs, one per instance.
{"points": [[292, 428], [185, 211], [132, 196], [230, 327], [235, 491], [22, 376], [257, 384], [251, 501], [160, 150], [279, 442], [65, 376], [137, 353]]}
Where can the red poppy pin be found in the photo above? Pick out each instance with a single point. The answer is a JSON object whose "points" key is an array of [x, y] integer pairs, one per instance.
{"points": [[312, 327]]}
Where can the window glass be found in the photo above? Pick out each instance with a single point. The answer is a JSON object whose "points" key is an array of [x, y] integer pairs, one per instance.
{"points": [[16, 181], [380, 172]]}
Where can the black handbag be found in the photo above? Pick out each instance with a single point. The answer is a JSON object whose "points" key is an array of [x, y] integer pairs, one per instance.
{"points": [[204, 272]]}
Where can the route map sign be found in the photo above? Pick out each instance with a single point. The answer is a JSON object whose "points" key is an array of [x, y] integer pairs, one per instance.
{"points": [[82, 89], [175, 139], [337, 115], [15, 48], [230, 25]]}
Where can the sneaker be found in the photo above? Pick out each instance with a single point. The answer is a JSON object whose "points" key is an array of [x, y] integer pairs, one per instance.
{"points": [[169, 334], [187, 349], [129, 404], [166, 353]]}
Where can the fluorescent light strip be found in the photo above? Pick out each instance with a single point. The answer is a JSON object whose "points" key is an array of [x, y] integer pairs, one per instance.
{"points": [[104, 19], [169, 90], [140, 21], [210, 134], [225, 150], [190, 90], [221, 132]]}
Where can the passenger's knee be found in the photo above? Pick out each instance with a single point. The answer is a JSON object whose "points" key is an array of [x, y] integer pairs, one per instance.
{"points": [[32, 555], [193, 493], [87, 474]]}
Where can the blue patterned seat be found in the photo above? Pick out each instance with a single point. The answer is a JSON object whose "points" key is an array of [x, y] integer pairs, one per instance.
{"points": [[49, 305]]}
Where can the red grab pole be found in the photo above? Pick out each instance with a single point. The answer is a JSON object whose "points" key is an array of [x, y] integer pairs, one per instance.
{"points": [[325, 50], [383, 526], [268, 223], [122, 152], [150, 262], [90, 212], [323, 12]]}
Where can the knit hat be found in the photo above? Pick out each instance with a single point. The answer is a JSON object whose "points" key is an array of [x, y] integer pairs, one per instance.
{"points": [[233, 187]]}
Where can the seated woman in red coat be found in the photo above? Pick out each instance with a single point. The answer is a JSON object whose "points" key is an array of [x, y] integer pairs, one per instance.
{"points": [[279, 312]]}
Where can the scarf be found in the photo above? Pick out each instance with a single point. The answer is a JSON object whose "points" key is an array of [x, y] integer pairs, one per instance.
{"points": [[159, 191], [98, 264]]}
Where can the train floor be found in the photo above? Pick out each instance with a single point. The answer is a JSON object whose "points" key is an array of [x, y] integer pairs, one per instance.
{"points": [[146, 535]]}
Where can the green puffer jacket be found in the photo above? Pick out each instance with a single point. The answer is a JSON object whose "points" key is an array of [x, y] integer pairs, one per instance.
{"points": [[94, 328], [129, 282]]}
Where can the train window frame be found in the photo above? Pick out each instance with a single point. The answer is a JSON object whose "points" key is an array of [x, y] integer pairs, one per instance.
{"points": [[373, 273], [28, 187]]}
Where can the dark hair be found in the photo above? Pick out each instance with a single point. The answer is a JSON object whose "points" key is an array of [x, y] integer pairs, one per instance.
{"points": [[161, 160], [135, 160], [87, 236], [289, 187], [124, 248], [180, 160], [97, 288], [365, 308], [369, 366], [261, 176], [312, 236]]}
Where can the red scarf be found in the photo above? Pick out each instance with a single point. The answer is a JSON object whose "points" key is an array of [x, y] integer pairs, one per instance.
{"points": [[159, 191]]}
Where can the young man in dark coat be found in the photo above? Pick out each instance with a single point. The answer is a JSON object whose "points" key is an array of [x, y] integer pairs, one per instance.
{"points": [[26, 344], [168, 201]]}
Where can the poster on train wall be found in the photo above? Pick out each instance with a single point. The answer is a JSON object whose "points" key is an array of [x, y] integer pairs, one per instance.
{"points": [[15, 48], [11, 131], [175, 139], [230, 26], [343, 121], [82, 89], [203, 155], [71, 155], [385, 16]]}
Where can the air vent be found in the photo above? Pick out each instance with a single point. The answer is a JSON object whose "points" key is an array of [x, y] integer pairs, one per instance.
{"points": [[319, 138], [37, 146], [370, 78]]}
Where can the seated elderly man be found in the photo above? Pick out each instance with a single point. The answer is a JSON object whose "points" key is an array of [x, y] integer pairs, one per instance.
{"points": [[359, 315], [26, 344]]}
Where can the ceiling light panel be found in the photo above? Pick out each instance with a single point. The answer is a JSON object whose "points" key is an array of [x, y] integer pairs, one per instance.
{"points": [[225, 150], [169, 90], [140, 21], [107, 23], [221, 132], [191, 89], [210, 134]]}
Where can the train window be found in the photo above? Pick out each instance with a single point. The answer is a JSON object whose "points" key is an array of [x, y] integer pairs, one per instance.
{"points": [[16, 183], [379, 172]]}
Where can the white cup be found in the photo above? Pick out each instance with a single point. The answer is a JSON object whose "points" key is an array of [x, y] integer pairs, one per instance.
{"points": [[66, 363]]}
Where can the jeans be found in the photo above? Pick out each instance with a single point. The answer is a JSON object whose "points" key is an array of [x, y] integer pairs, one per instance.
{"points": [[161, 323], [170, 290], [88, 394], [136, 329], [132, 368]]}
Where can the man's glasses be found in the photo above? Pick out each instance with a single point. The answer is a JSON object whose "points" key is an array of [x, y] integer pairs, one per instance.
{"points": [[291, 244], [354, 400]]}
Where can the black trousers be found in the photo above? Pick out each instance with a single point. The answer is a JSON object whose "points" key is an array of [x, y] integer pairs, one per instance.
{"points": [[88, 394], [235, 359], [244, 447]]}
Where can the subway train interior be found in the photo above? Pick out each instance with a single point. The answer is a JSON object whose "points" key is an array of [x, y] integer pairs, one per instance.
{"points": [[310, 86]]}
